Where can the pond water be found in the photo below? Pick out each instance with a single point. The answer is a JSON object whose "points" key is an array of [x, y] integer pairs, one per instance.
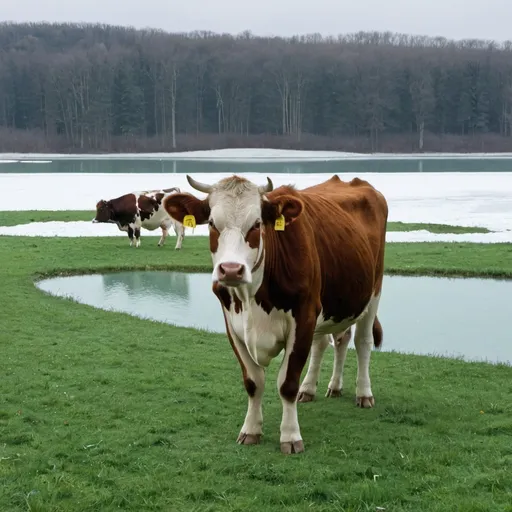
{"points": [[351, 164], [424, 315]]}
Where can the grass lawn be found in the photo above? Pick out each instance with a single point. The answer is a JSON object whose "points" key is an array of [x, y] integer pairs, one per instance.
{"points": [[102, 411], [11, 218]]}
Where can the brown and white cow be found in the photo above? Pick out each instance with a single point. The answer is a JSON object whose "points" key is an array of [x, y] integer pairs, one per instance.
{"points": [[137, 210], [292, 289]]}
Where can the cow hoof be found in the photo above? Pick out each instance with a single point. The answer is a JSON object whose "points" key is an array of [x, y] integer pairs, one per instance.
{"points": [[334, 393], [292, 447], [305, 397], [178, 249], [365, 402], [248, 438]]}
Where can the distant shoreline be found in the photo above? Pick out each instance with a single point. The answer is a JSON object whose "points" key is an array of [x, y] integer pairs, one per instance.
{"points": [[244, 154]]}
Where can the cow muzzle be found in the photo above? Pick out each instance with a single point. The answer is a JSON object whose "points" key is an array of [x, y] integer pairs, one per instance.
{"points": [[231, 274]]}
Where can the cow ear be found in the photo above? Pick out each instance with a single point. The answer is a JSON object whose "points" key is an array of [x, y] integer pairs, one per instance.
{"points": [[179, 205], [289, 206]]}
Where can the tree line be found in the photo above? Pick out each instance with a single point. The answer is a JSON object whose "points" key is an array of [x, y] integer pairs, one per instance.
{"points": [[97, 88]]}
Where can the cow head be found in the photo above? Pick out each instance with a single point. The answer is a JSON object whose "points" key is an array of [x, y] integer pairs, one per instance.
{"points": [[103, 211], [238, 213]]}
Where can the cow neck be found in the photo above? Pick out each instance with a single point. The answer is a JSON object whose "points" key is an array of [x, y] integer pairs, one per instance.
{"points": [[291, 267]]}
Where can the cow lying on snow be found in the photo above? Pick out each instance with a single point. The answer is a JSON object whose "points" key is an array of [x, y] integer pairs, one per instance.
{"points": [[137, 210], [292, 268]]}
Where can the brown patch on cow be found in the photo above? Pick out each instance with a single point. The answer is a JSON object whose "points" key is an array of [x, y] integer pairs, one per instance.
{"points": [[179, 205], [253, 237], [354, 182], [250, 386], [222, 294], [159, 197], [103, 211], [330, 258], [290, 388], [287, 205], [121, 209], [238, 304], [378, 333], [147, 206], [214, 239]]}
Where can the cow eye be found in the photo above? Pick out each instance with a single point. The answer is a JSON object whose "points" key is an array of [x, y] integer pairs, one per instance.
{"points": [[256, 225], [211, 224]]}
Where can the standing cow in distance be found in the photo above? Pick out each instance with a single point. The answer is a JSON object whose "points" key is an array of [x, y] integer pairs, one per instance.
{"points": [[292, 268], [137, 210]]}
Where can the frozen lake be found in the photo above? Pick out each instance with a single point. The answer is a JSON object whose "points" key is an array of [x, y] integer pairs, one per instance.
{"points": [[480, 196]]}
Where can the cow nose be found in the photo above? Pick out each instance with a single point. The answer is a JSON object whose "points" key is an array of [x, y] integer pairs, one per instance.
{"points": [[231, 271]]}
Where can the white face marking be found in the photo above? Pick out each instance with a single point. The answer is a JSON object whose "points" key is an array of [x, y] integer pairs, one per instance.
{"points": [[233, 213]]}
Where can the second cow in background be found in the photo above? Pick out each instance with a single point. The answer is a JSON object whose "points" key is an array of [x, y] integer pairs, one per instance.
{"points": [[137, 210]]}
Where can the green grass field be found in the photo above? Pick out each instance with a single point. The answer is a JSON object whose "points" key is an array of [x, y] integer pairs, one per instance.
{"points": [[102, 411], [11, 218]]}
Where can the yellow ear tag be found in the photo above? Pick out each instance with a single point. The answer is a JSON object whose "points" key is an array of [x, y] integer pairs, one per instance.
{"points": [[189, 221], [280, 223]]}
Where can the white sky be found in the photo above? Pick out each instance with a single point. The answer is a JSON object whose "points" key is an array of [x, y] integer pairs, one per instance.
{"points": [[454, 19]]}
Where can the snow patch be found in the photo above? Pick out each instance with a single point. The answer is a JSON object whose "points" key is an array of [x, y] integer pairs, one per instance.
{"points": [[89, 229], [464, 199]]}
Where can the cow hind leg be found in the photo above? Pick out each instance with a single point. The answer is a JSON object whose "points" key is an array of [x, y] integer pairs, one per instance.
{"points": [[307, 389], [164, 235], [136, 233], [179, 229], [364, 341], [341, 341]]}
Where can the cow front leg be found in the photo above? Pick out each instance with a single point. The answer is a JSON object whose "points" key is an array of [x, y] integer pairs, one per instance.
{"points": [[164, 235], [254, 383], [363, 340], [341, 342], [307, 389], [296, 353]]}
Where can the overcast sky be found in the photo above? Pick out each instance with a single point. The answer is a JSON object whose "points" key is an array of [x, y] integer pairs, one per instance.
{"points": [[454, 19]]}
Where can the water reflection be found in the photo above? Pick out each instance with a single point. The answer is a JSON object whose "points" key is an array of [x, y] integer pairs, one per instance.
{"points": [[423, 315], [352, 165], [156, 284]]}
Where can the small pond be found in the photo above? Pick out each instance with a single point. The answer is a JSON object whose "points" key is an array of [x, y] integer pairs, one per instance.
{"points": [[423, 315]]}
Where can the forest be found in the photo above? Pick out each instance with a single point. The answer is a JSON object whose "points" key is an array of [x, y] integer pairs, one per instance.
{"points": [[95, 88]]}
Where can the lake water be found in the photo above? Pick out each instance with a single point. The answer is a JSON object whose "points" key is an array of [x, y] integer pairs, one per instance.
{"points": [[350, 164], [422, 315]]}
